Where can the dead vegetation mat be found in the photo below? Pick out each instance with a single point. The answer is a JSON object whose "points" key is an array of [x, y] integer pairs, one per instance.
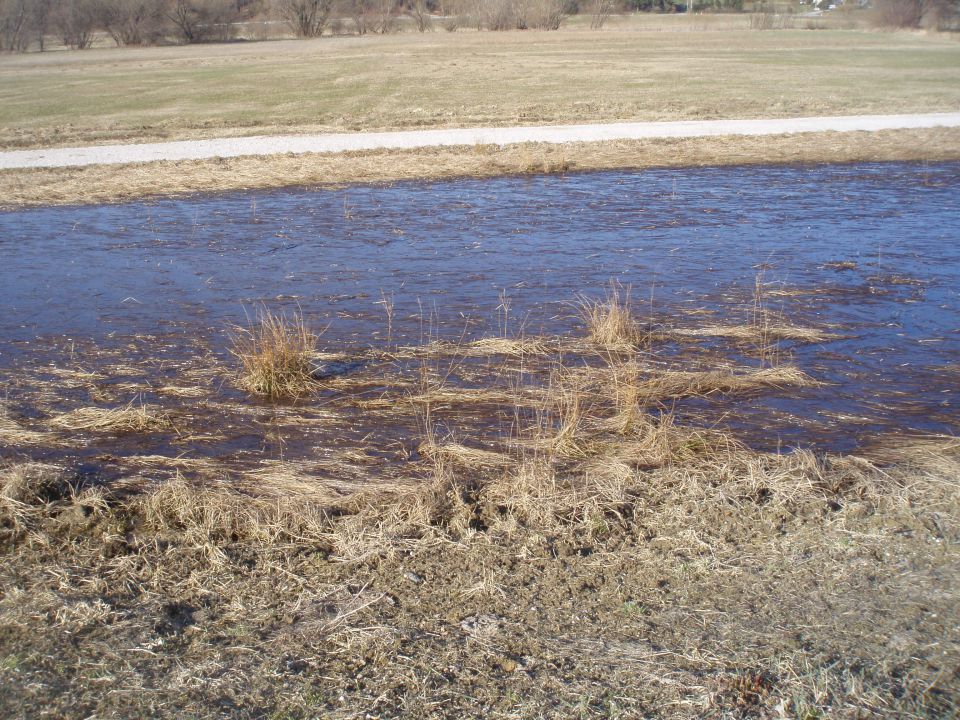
{"points": [[712, 582]]}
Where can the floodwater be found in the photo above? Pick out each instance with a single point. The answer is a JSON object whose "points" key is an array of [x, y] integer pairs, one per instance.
{"points": [[869, 252]]}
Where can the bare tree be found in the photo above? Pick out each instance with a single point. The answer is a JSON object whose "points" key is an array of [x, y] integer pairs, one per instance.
{"points": [[203, 20], [14, 18], [186, 19], [545, 14], [359, 12], [138, 22], [384, 19], [75, 21], [41, 16], [307, 18], [418, 11], [600, 11]]}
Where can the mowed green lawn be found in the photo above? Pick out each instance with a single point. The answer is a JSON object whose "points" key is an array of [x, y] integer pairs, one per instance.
{"points": [[468, 78]]}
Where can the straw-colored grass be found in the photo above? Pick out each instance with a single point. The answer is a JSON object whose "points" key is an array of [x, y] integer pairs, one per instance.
{"points": [[275, 356], [609, 322], [753, 333], [677, 383], [98, 184], [463, 456], [14, 434], [210, 516], [131, 418], [646, 71]]}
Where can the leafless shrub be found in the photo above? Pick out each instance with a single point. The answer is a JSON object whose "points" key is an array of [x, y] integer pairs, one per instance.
{"points": [[204, 20], [358, 12], [75, 21], [306, 18], [419, 13], [132, 22], [383, 17], [897, 13], [600, 11], [14, 23]]}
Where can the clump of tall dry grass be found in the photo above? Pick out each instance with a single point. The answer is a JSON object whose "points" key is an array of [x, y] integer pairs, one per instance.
{"points": [[275, 355], [610, 322]]}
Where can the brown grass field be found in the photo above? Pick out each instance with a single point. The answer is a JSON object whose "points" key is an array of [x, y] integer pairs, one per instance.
{"points": [[627, 72]]}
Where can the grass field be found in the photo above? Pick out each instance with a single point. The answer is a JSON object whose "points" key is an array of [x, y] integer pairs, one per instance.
{"points": [[631, 71]]}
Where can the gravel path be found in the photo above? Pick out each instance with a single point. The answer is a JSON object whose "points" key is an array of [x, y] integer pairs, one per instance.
{"points": [[332, 143]]}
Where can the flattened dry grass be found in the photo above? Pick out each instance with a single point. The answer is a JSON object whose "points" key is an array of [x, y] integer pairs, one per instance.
{"points": [[210, 516], [678, 384], [275, 355], [752, 333], [14, 434], [463, 456], [131, 418]]}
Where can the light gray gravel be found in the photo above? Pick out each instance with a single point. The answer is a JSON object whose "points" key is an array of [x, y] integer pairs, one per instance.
{"points": [[333, 143]]}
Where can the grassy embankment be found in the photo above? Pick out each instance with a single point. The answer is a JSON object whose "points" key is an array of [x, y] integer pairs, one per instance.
{"points": [[676, 70], [595, 559]]}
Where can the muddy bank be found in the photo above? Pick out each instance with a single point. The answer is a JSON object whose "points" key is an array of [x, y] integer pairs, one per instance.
{"points": [[682, 577]]}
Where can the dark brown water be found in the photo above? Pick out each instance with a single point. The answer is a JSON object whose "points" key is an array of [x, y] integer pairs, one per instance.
{"points": [[157, 282]]}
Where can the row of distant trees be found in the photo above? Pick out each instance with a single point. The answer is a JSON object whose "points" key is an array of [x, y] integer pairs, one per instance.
{"points": [[75, 23], [26, 24]]}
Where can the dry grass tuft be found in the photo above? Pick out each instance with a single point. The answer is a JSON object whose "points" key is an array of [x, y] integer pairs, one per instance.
{"points": [[609, 322], [275, 356], [33, 483], [26, 488], [129, 418]]}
